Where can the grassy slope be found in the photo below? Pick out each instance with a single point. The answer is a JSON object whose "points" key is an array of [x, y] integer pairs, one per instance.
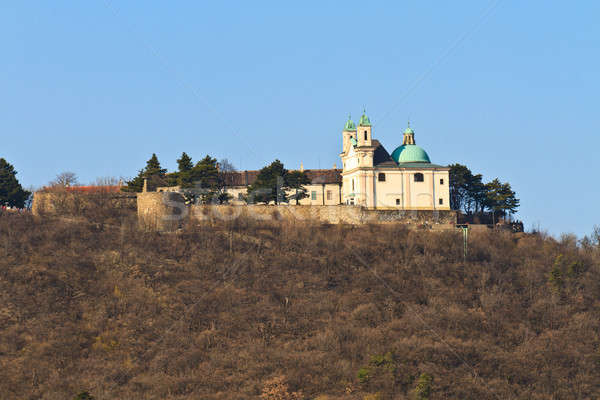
{"points": [[213, 313]]}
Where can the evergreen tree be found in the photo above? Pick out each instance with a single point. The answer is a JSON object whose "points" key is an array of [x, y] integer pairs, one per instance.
{"points": [[172, 178], [469, 193], [185, 163], [12, 193], [477, 193], [153, 171], [182, 177], [270, 184], [205, 173], [204, 179], [153, 167], [296, 180], [500, 198], [460, 176]]}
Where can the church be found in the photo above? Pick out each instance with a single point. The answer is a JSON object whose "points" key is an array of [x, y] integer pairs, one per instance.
{"points": [[406, 179], [370, 177]]}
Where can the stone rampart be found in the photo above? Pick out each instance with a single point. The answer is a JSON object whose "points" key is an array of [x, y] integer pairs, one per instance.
{"points": [[161, 210], [167, 211], [61, 202]]}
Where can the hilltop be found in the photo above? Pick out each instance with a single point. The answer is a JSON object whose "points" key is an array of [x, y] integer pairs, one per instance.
{"points": [[217, 311]]}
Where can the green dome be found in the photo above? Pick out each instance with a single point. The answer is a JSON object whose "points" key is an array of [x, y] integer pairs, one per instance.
{"points": [[408, 131], [349, 125], [410, 153]]}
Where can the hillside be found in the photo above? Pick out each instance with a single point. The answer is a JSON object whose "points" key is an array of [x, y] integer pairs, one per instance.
{"points": [[336, 312]]}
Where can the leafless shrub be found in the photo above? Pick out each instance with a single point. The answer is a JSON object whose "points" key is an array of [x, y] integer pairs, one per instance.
{"points": [[217, 309]]}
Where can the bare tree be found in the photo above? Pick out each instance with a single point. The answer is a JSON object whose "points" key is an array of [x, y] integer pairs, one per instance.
{"points": [[226, 175], [108, 181], [226, 166], [65, 179]]}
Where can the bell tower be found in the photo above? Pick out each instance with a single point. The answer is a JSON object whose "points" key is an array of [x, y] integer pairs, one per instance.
{"points": [[348, 133], [363, 131]]}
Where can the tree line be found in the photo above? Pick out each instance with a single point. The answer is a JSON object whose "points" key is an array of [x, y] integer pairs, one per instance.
{"points": [[470, 194], [205, 181]]}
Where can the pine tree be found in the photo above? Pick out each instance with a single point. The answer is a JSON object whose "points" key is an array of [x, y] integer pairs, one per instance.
{"points": [[477, 193], [185, 163], [203, 178], [153, 167], [270, 184], [500, 198], [467, 191], [205, 173], [296, 180], [460, 176], [153, 171], [182, 177], [12, 193]]}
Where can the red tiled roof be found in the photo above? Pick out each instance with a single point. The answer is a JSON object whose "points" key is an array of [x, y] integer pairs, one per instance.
{"points": [[324, 175], [239, 178], [94, 189]]}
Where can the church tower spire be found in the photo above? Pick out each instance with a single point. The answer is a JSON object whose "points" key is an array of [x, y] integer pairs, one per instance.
{"points": [[363, 132], [348, 133]]}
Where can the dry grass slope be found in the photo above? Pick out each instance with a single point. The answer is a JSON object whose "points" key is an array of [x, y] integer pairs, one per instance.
{"points": [[248, 311]]}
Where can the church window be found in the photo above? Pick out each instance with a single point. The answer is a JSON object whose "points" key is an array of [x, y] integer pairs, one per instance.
{"points": [[329, 195], [313, 195], [441, 181], [381, 177], [419, 177], [441, 201], [397, 202], [353, 185], [365, 135]]}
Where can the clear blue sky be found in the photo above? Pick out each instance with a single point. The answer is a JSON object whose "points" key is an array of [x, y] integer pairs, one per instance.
{"points": [[508, 88]]}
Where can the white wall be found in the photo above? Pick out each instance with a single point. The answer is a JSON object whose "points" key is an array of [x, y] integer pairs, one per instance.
{"points": [[399, 190]]}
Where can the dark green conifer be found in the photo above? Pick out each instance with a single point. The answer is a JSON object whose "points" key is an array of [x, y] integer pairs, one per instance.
{"points": [[12, 193], [270, 184], [153, 171]]}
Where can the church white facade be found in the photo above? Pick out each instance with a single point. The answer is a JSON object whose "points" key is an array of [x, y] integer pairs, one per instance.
{"points": [[405, 180]]}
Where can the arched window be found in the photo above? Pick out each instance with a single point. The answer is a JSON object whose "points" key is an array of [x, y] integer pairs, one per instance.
{"points": [[353, 185], [381, 177], [418, 177], [365, 135]]}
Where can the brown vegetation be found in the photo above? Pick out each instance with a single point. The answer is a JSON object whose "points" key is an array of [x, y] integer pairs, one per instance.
{"points": [[99, 204], [241, 310]]}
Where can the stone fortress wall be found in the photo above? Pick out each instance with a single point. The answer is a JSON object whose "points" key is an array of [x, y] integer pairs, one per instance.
{"points": [[167, 211], [61, 202]]}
